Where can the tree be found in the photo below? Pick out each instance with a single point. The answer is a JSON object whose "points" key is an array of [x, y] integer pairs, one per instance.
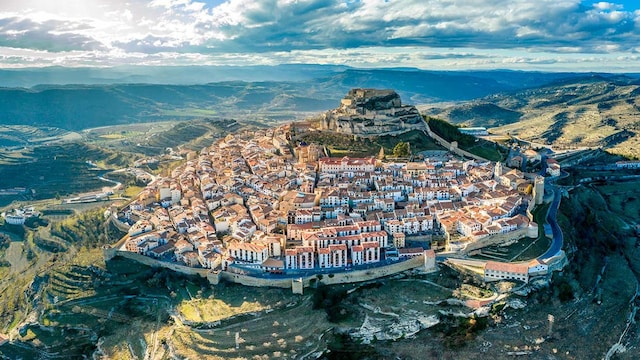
{"points": [[401, 149]]}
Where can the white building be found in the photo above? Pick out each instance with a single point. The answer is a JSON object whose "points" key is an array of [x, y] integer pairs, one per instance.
{"points": [[249, 252], [301, 257], [496, 271], [346, 165]]}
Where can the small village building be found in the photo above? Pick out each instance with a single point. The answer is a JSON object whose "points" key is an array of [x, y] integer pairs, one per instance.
{"points": [[496, 271], [399, 239]]}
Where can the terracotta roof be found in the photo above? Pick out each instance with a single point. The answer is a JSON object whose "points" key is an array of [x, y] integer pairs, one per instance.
{"points": [[273, 263], [338, 247], [415, 250], [516, 268], [370, 245]]}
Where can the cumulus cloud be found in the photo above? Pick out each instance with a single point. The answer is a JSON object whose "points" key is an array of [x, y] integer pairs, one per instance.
{"points": [[255, 29], [51, 35]]}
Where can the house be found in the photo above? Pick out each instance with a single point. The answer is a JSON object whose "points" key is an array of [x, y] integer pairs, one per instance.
{"points": [[410, 252], [338, 255], [300, 257], [357, 255], [516, 162], [249, 252], [140, 227], [496, 271], [182, 245], [430, 260], [371, 252], [553, 168], [537, 268], [273, 242], [162, 250], [272, 265], [399, 239], [324, 258], [190, 258]]}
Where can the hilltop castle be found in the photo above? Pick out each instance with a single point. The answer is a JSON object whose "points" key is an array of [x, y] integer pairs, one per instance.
{"points": [[372, 112]]}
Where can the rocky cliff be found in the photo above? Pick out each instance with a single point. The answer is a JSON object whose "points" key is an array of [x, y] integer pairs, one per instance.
{"points": [[372, 112]]}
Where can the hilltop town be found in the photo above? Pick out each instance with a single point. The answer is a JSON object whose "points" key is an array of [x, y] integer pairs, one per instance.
{"points": [[263, 205]]}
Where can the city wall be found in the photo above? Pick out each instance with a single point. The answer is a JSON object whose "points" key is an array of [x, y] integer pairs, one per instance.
{"points": [[214, 277], [450, 147], [119, 224], [497, 239], [370, 274], [110, 253], [346, 277]]}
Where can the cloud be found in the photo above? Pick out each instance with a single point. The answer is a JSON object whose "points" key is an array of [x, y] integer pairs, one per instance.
{"points": [[273, 30], [51, 35]]}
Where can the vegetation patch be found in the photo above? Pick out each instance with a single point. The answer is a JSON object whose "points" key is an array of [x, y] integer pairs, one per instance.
{"points": [[483, 148], [340, 145]]}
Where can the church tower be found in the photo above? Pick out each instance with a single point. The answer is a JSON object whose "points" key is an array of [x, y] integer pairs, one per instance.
{"points": [[497, 170]]}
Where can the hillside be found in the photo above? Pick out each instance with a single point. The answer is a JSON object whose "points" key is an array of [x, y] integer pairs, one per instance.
{"points": [[589, 111], [265, 94]]}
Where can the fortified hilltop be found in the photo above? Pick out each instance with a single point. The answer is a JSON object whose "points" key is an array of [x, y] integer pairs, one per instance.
{"points": [[372, 112]]}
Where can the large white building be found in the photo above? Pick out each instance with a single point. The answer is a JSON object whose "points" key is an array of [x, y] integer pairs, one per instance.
{"points": [[346, 165], [496, 271]]}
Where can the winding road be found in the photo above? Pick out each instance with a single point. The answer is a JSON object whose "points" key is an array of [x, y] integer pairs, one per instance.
{"points": [[558, 239]]}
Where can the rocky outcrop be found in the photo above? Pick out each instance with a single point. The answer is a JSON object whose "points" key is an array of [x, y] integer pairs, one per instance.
{"points": [[393, 328], [372, 112]]}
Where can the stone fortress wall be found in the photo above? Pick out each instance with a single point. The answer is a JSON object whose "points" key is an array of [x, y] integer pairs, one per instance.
{"points": [[214, 277]]}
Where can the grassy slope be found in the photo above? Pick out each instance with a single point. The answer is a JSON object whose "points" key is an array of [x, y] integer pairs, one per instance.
{"points": [[589, 112], [344, 145]]}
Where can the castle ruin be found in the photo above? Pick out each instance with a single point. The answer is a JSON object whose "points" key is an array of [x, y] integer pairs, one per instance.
{"points": [[372, 112]]}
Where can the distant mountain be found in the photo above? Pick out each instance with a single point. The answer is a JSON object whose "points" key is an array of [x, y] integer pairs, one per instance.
{"points": [[262, 93], [478, 113], [174, 75], [592, 111]]}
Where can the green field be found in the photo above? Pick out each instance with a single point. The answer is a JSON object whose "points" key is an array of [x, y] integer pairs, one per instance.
{"points": [[345, 145]]}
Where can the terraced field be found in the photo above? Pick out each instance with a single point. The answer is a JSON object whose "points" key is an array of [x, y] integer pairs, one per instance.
{"points": [[68, 285], [294, 332]]}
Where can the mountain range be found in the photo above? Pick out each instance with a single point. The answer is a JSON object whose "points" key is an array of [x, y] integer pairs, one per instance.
{"points": [[284, 92], [564, 109], [587, 111]]}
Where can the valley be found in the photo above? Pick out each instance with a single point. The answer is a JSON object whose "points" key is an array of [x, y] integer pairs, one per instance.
{"points": [[61, 299]]}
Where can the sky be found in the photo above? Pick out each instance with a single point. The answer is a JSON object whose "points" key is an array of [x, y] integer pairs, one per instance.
{"points": [[548, 35]]}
